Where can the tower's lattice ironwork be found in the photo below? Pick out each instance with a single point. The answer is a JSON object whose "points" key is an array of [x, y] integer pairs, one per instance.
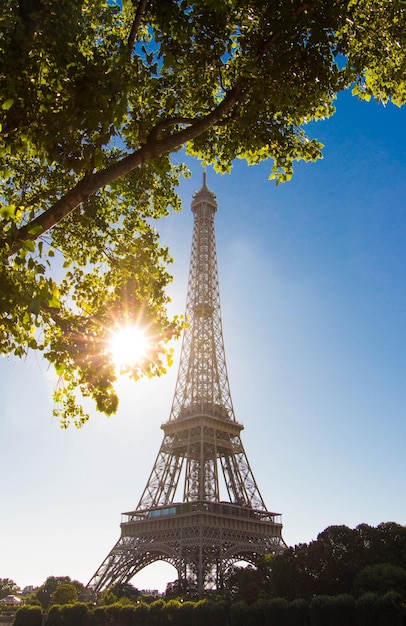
{"points": [[221, 517]]}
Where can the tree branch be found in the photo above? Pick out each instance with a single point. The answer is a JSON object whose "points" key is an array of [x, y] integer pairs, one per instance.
{"points": [[92, 182], [135, 25], [168, 123]]}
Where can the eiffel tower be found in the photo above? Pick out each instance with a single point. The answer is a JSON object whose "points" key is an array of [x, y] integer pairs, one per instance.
{"points": [[221, 517]]}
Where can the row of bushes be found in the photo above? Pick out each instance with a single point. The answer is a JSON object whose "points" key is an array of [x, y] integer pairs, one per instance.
{"points": [[369, 610]]}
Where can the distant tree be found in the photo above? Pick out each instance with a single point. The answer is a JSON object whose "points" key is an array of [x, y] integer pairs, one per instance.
{"points": [[8, 587], [107, 598], [250, 583], [181, 589], [46, 590], [330, 564], [123, 590], [380, 578], [385, 543], [66, 593], [334, 560], [96, 96], [392, 544], [32, 600], [290, 574]]}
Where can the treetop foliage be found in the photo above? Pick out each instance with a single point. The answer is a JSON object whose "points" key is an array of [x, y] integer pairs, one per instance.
{"points": [[96, 97], [8, 587], [57, 590], [343, 560]]}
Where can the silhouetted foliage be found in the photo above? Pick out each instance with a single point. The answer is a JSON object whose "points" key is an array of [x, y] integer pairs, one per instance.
{"points": [[8, 587], [373, 610], [250, 583], [28, 616], [65, 593], [54, 617], [209, 612], [341, 610], [298, 613], [74, 614], [381, 578], [185, 615], [124, 590], [333, 611], [330, 564], [47, 589], [241, 614], [302, 587]]}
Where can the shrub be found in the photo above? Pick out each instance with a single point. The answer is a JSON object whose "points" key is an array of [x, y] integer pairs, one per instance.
{"points": [[374, 610], [343, 611], [320, 610], [208, 612], [298, 613], [74, 614], [170, 611], [389, 609], [28, 616], [140, 614], [185, 614], [241, 615], [54, 616], [155, 610]]}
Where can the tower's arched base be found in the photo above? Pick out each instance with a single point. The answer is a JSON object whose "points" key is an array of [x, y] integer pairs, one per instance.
{"points": [[200, 539]]}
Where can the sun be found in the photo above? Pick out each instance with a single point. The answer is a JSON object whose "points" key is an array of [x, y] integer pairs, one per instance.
{"points": [[128, 346]]}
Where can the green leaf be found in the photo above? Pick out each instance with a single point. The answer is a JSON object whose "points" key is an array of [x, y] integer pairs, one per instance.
{"points": [[36, 230], [7, 104], [8, 211], [29, 245]]}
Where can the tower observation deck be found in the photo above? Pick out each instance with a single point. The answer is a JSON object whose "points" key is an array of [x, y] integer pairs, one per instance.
{"points": [[201, 509]]}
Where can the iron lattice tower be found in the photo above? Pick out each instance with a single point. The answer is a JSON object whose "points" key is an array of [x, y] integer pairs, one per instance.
{"points": [[221, 518]]}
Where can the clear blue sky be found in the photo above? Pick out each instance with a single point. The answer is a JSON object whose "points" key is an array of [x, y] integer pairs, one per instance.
{"points": [[313, 295]]}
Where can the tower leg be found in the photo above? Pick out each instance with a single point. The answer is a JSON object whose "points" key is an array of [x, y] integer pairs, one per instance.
{"points": [[200, 573]]}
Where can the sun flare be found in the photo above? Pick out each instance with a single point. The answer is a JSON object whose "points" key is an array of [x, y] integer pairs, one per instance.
{"points": [[128, 346]]}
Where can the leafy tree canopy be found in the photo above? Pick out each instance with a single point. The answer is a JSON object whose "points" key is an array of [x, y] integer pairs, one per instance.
{"points": [[65, 593], [341, 561], [47, 592], [8, 587], [95, 99], [250, 584], [381, 578], [118, 592]]}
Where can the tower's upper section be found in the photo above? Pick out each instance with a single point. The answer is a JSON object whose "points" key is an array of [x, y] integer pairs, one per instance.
{"points": [[204, 199], [202, 387]]}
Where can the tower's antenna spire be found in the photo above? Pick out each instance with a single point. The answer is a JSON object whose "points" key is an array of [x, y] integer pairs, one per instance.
{"points": [[204, 177]]}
